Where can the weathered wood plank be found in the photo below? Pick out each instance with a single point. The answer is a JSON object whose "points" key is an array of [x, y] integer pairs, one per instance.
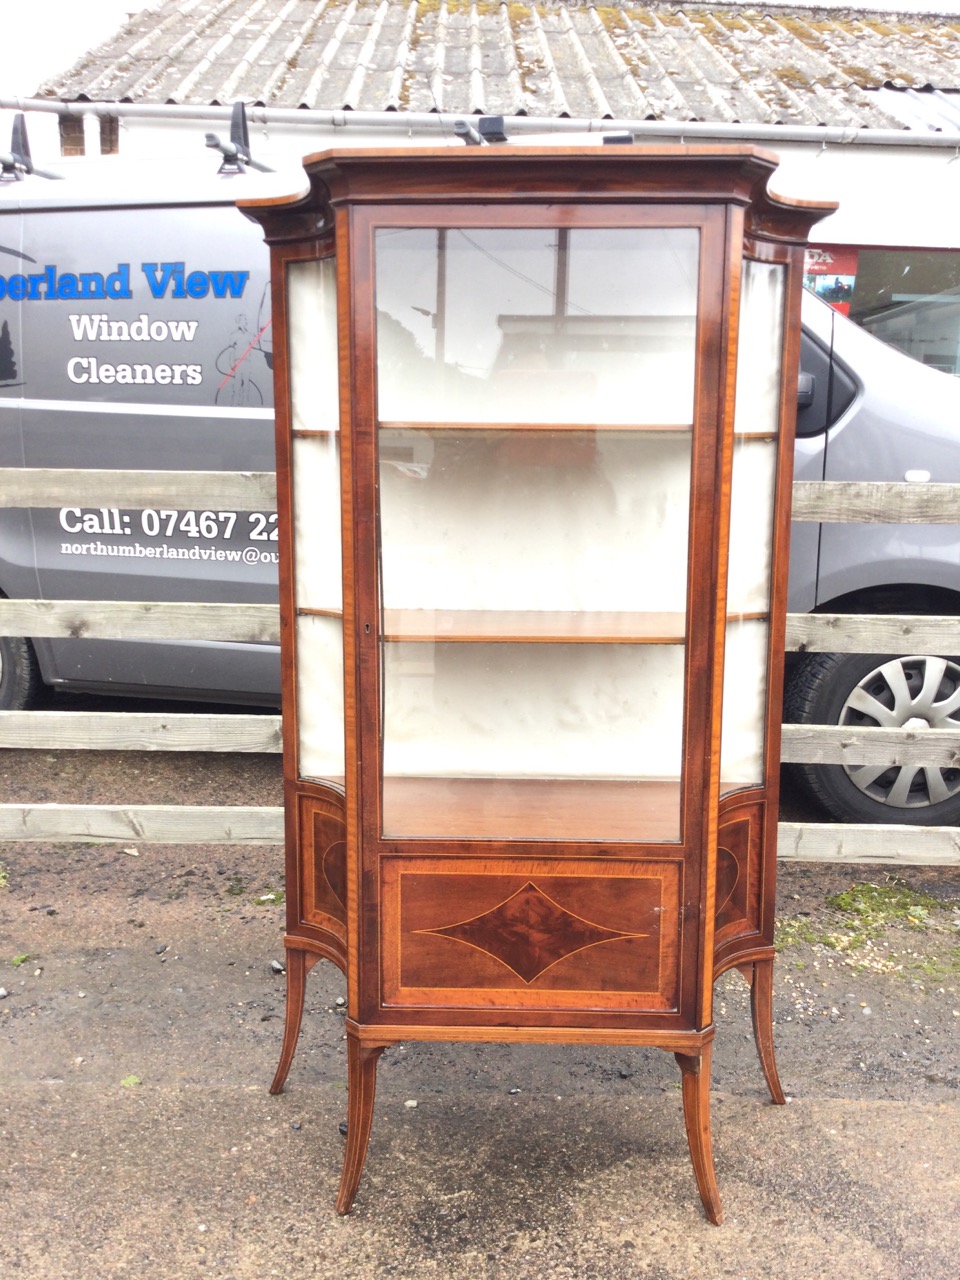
{"points": [[175, 490], [138, 731], [259, 623], [840, 501], [836, 744], [873, 633], [160, 731], [141, 620], [892, 845], [875, 502], [149, 824], [204, 824]]}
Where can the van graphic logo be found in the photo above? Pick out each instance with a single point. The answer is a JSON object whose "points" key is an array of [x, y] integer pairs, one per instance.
{"points": [[8, 363], [238, 386]]}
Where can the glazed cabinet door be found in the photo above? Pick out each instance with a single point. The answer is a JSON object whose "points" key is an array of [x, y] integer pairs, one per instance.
{"points": [[537, 422]]}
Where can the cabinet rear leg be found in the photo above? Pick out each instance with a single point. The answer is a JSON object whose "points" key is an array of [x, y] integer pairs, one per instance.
{"points": [[760, 976], [362, 1087], [299, 964], [695, 1075]]}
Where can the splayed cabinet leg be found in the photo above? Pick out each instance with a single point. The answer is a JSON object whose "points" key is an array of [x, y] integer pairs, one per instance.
{"points": [[760, 976], [695, 1075], [362, 1085], [299, 964]]}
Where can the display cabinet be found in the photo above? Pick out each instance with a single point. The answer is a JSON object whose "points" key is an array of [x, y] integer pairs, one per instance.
{"points": [[534, 447]]}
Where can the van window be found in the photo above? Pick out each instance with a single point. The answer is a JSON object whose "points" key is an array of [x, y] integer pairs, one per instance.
{"points": [[830, 388], [908, 298]]}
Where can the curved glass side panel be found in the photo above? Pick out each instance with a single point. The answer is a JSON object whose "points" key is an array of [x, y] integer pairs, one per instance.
{"points": [[751, 526], [314, 363], [744, 704], [760, 348], [752, 519], [315, 468], [315, 477]]}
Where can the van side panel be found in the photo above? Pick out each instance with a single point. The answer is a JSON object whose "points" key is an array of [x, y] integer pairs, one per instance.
{"points": [[141, 339]]}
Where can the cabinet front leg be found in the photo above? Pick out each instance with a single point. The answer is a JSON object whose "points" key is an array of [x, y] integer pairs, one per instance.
{"points": [[362, 1087], [760, 977], [695, 1075], [299, 964]]}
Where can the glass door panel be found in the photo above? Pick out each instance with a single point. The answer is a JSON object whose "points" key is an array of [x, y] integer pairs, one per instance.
{"points": [[588, 326], [535, 398], [582, 522]]}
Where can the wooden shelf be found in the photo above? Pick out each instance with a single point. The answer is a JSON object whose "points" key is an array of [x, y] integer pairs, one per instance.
{"points": [[525, 626], [531, 809], [472, 626], [586, 428]]}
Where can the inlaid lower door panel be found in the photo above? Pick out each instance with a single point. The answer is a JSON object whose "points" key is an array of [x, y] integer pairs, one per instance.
{"points": [[478, 933], [323, 862]]}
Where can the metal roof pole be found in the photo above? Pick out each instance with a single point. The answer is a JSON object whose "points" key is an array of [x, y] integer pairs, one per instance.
{"points": [[445, 123]]}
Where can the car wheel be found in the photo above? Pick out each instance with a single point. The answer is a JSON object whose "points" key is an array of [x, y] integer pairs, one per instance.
{"points": [[20, 681], [860, 690]]}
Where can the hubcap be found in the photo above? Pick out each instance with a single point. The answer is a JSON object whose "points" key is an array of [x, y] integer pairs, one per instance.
{"points": [[906, 693]]}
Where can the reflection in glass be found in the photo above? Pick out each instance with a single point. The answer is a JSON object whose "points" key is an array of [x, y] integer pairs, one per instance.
{"points": [[549, 325]]}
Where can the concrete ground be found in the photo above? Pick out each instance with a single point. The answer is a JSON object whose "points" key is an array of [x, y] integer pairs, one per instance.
{"points": [[141, 1026]]}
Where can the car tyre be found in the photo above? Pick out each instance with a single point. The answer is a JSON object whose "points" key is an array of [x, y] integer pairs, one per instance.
{"points": [[21, 685], [871, 689]]}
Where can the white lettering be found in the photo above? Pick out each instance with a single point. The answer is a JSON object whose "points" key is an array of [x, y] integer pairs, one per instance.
{"points": [[96, 327], [88, 369]]}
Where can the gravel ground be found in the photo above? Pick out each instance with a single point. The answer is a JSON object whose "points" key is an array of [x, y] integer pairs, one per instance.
{"points": [[142, 1021]]}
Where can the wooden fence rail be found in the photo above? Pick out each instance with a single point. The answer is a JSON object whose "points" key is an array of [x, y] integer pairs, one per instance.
{"points": [[208, 824], [133, 490]]}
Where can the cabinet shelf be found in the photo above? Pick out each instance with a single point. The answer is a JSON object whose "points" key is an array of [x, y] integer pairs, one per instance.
{"points": [[582, 428], [531, 809], [529, 626], [517, 626]]}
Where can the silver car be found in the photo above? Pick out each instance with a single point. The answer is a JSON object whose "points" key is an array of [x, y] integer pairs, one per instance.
{"points": [[869, 412]]}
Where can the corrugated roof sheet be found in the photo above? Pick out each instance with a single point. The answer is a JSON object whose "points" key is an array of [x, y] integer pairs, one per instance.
{"points": [[656, 61]]}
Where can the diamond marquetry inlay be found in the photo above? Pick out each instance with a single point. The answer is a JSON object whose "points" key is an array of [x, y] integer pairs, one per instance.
{"points": [[529, 932]]}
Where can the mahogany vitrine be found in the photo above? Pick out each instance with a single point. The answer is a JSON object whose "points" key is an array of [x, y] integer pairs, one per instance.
{"points": [[534, 429]]}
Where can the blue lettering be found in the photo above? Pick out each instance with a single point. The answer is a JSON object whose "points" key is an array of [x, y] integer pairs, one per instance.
{"points": [[163, 279], [118, 282], [159, 277], [228, 283]]}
